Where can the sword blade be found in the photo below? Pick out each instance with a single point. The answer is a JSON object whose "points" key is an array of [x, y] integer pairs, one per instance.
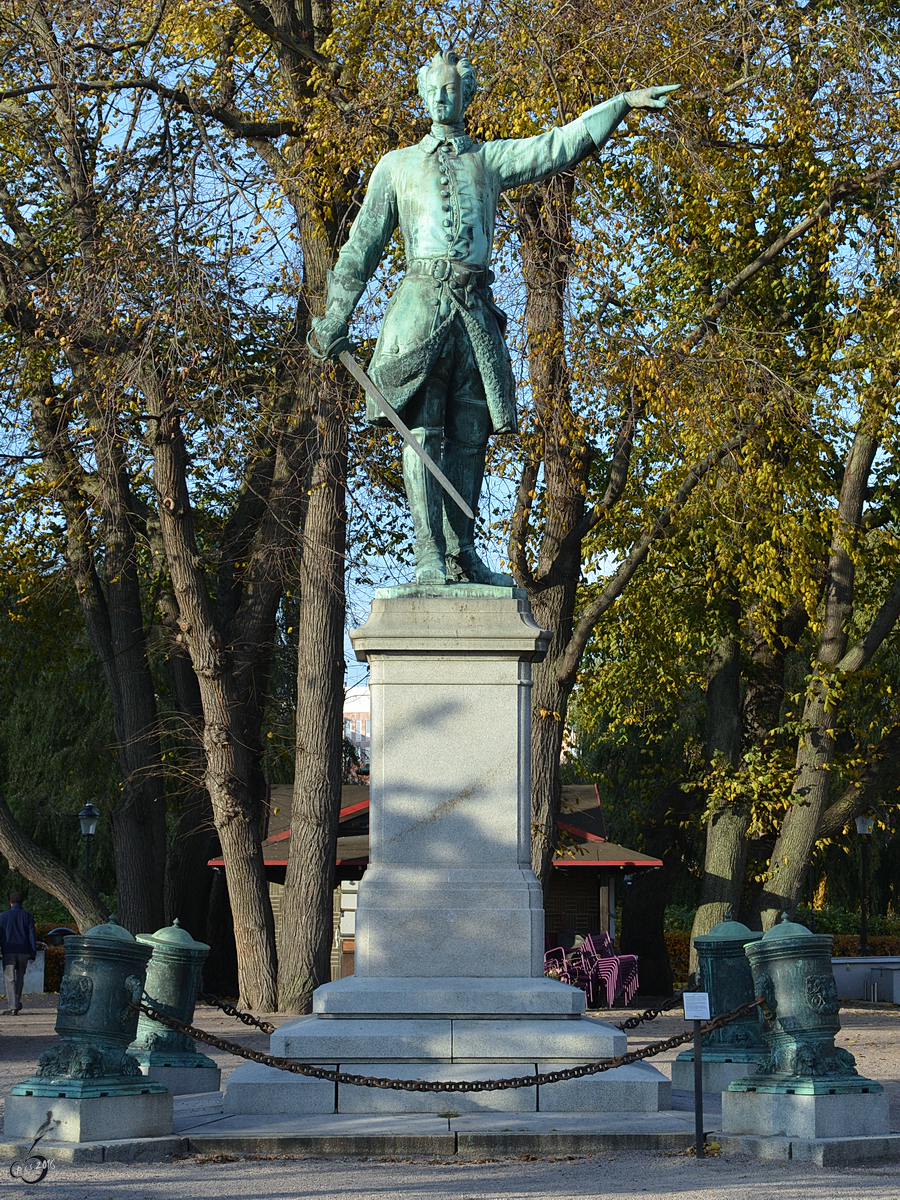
{"points": [[407, 434]]}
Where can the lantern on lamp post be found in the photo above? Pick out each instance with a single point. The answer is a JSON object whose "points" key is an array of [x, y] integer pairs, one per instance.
{"points": [[88, 818]]}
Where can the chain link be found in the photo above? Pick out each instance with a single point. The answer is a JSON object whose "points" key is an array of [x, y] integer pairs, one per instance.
{"points": [[247, 1018], [650, 1014], [423, 1085]]}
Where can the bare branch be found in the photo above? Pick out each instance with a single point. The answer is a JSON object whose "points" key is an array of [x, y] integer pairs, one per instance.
{"points": [[235, 122], [881, 774], [46, 871], [137, 44], [861, 652], [260, 17]]}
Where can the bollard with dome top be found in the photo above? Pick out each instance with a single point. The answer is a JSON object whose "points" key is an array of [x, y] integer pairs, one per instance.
{"points": [[806, 1087], [173, 981], [730, 1052], [86, 1085]]}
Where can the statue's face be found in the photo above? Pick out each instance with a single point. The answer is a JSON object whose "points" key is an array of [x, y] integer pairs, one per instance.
{"points": [[444, 95]]}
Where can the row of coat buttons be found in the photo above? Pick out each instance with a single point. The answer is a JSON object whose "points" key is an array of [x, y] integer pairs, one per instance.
{"points": [[445, 193]]}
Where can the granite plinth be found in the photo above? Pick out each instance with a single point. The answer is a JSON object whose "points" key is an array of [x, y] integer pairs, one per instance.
{"points": [[184, 1081], [779, 1114], [821, 1152], [146, 1115], [718, 1072], [449, 591]]}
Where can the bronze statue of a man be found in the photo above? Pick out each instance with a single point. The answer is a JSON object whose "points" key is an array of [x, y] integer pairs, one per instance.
{"points": [[441, 358]]}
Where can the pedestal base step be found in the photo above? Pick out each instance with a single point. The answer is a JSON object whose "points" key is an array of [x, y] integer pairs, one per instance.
{"points": [[822, 1152], [359, 996], [318, 1039], [254, 1089]]}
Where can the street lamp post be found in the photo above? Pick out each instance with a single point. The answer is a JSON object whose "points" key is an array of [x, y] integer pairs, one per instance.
{"points": [[88, 818], [864, 827]]}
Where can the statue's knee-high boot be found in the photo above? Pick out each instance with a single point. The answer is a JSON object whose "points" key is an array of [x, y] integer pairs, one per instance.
{"points": [[464, 467], [426, 504]]}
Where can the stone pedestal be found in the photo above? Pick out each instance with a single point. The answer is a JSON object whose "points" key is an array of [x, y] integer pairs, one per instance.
{"points": [[449, 925], [780, 1114], [105, 1116]]}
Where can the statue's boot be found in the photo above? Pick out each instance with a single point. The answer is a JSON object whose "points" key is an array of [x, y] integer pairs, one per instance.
{"points": [[464, 467], [426, 504]]}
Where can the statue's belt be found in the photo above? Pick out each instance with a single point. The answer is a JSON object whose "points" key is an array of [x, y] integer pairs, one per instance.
{"points": [[459, 277]]}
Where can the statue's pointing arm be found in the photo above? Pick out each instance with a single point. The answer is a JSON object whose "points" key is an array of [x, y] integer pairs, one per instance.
{"points": [[357, 261], [528, 160]]}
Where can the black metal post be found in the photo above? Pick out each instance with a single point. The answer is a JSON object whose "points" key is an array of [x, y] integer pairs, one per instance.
{"points": [[698, 1090], [864, 898]]}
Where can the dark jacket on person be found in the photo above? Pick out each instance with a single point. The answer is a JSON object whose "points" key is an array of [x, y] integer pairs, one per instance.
{"points": [[17, 934]]}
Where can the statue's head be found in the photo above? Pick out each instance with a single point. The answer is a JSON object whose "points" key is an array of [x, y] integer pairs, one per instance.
{"points": [[447, 85]]}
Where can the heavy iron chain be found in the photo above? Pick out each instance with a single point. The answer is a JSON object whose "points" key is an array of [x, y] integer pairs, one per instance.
{"points": [[422, 1085], [247, 1018], [650, 1014]]}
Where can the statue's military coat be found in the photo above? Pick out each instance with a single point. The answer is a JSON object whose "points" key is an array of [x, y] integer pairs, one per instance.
{"points": [[443, 195]]}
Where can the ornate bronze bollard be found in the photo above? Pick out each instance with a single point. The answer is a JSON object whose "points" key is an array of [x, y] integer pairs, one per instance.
{"points": [[725, 973], [173, 980], [87, 1082], [805, 1086]]}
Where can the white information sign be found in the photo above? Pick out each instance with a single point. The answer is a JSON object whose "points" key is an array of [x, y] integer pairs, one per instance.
{"points": [[696, 1006]]}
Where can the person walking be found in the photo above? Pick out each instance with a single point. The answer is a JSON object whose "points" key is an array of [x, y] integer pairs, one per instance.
{"points": [[18, 945]]}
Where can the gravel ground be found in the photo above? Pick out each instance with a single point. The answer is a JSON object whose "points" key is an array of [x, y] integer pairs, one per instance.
{"points": [[871, 1032], [656, 1177]]}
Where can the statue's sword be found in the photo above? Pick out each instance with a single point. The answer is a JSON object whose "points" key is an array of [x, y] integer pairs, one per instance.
{"points": [[407, 434]]}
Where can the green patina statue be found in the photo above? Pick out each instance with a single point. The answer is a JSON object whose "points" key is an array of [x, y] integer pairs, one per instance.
{"points": [[441, 358]]}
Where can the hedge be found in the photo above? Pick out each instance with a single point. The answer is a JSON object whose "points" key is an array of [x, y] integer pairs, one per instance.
{"points": [[846, 945]]}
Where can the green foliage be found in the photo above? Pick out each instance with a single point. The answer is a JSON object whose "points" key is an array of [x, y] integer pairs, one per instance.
{"points": [[57, 745]]}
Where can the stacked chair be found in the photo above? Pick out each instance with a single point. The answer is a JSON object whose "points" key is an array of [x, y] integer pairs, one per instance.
{"points": [[596, 968]]}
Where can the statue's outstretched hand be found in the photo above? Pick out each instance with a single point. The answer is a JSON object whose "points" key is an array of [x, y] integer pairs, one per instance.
{"points": [[652, 97]]}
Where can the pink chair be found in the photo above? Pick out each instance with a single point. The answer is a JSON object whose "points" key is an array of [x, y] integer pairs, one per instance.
{"points": [[599, 978], [601, 947], [558, 967]]}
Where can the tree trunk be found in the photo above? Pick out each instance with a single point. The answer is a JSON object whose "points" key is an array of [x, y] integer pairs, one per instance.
{"points": [[69, 887], [815, 752], [194, 842], [228, 759], [307, 904], [544, 222], [726, 829]]}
